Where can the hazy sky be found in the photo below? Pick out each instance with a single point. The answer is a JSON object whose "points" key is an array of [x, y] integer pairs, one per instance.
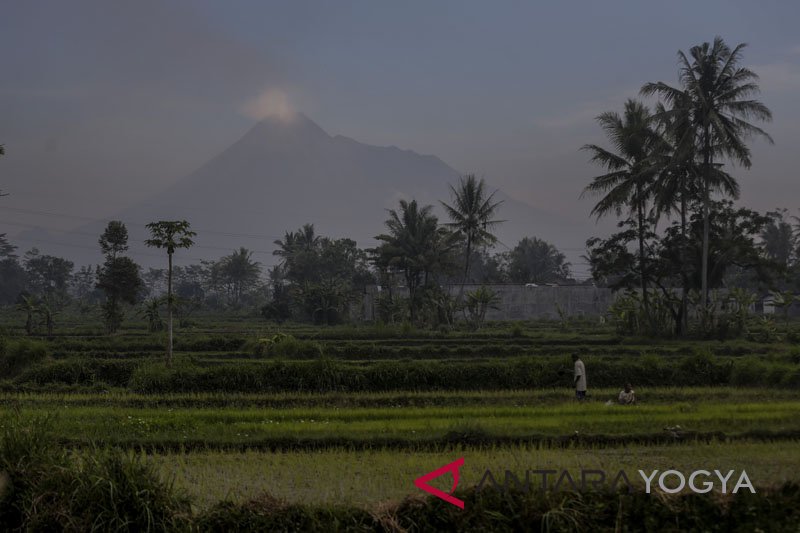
{"points": [[102, 103]]}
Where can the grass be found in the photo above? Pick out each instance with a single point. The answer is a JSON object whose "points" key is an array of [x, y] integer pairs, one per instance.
{"points": [[513, 398], [365, 449], [403, 425], [366, 477]]}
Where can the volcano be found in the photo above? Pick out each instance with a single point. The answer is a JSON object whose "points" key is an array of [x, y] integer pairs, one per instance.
{"points": [[288, 171]]}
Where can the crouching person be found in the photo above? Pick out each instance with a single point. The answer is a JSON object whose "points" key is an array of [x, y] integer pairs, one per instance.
{"points": [[627, 396]]}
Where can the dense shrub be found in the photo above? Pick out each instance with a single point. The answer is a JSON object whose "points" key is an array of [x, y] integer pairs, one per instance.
{"points": [[208, 343], [44, 488], [281, 346], [16, 355], [514, 510], [80, 371], [271, 514], [324, 374]]}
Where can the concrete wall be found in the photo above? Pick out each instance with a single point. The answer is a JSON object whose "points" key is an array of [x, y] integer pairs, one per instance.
{"points": [[521, 302]]}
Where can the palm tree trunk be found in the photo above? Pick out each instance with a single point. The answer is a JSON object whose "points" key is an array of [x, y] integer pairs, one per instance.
{"points": [[169, 311], [642, 270], [706, 202], [466, 272], [683, 326]]}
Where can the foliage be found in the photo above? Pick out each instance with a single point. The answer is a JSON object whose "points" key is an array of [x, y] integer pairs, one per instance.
{"points": [[29, 306], [170, 235], [47, 276], [416, 247], [628, 182], [13, 278], [237, 273], [47, 489], [17, 355], [472, 216], [715, 98], [150, 311], [533, 260], [114, 239], [281, 346], [478, 303], [119, 279], [319, 277]]}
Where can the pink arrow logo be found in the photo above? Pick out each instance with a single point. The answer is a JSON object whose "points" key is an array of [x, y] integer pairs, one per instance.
{"points": [[422, 482]]}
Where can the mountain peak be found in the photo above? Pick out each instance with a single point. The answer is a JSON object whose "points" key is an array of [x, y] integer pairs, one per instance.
{"points": [[293, 126]]}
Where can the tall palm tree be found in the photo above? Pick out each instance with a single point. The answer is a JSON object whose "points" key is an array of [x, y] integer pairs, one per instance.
{"points": [[631, 170], [415, 245], [472, 215], [239, 271], [170, 235], [304, 239], [719, 93], [677, 184]]}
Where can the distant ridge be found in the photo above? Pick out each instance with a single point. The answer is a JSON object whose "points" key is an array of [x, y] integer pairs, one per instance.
{"points": [[285, 172]]}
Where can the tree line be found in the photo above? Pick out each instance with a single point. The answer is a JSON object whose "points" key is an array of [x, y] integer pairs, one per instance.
{"points": [[317, 278], [667, 180]]}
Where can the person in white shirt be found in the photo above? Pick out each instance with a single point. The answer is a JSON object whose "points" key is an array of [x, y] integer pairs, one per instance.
{"points": [[627, 396], [580, 377]]}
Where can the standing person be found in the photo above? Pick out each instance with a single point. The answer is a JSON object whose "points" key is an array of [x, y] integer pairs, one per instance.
{"points": [[580, 377]]}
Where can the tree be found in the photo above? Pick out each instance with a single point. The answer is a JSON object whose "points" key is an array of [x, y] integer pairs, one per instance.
{"points": [[170, 235], [237, 272], [47, 275], [736, 259], [533, 260], [778, 239], [278, 308], [2, 152], [150, 311], [114, 239], [631, 170], [318, 276], [6, 248], [27, 304], [119, 279], [717, 93], [13, 277], [415, 246], [472, 216], [83, 284], [479, 302], [487, 269], [48, 313], [677, 187], [153, 280]]}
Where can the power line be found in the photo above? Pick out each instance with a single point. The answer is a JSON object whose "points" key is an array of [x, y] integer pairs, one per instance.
{"points": [[75, 232], [91, 219]]}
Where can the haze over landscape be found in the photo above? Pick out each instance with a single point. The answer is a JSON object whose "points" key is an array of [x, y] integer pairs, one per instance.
{"points": [[185, 109]]}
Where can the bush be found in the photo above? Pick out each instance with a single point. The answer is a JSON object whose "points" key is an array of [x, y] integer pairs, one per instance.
{"points": [[749, 371], [281, 346], [80, 371], [326, 375], [16, 355], [48, 489], [516, 510]]}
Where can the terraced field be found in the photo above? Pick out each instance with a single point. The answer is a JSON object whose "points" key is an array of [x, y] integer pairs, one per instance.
{"points": [[353, 415]]}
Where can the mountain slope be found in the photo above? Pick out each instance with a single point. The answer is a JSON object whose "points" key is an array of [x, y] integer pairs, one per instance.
{"points": [[284, 173]]}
